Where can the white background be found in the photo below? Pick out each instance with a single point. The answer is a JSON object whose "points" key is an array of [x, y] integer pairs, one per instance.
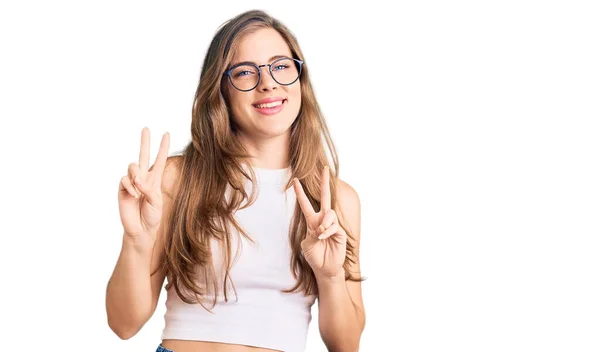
{"points": [[468, 128]]}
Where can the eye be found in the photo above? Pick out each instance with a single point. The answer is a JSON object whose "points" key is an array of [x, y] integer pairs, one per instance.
{"points": [[281, 67], [243, 73]]}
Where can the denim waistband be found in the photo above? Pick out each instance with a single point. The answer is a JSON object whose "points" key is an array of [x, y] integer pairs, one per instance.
{"points": [[160, 348]]}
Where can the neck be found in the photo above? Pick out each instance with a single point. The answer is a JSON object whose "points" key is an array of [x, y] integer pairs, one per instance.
{"points": [[268, 153]]}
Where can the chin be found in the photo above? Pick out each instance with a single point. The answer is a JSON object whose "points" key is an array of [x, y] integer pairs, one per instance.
{"points": [[275, 131], [278, 123]]}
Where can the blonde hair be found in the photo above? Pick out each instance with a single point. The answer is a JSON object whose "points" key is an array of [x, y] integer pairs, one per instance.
{"points": [[212, 164]]}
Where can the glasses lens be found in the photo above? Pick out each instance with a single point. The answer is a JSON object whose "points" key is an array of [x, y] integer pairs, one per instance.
{"points": [[244, 77], [285, 71]]}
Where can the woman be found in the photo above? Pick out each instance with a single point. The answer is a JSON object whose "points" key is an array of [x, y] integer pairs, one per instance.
{"points": [[250, 224]]}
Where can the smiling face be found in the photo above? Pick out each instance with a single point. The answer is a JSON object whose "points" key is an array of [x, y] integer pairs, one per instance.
{"points": [[270, 109]]}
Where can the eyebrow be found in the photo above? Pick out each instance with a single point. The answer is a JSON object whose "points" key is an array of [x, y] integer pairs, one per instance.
{"points": [[254, 63]]}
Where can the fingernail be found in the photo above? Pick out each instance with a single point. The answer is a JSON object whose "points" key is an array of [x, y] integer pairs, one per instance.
{"points": [[321, 228], [321, 237]]}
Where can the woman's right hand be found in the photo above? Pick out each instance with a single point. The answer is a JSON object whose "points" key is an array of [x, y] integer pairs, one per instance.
{"points": [[140, 193]]}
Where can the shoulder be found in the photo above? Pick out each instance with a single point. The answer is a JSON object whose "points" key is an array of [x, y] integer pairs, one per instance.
{"points": [[347, 196], [348, 205], [171, 175]]}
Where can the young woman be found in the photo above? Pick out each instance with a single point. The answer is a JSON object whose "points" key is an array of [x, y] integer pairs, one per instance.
{"points": [[250, 223]]}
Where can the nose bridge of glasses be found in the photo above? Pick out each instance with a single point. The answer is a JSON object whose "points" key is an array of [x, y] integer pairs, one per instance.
{"points": [[270, 73]]}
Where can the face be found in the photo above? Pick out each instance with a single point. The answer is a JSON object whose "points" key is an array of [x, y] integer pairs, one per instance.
{"points": [[269, 109]]}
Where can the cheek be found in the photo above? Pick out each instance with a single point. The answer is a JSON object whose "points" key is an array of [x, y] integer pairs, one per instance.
{"points": [[296, 95], [297, 91], [238, 104]]}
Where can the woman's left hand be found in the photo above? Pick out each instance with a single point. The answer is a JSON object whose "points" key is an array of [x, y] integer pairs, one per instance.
{"points": [[324, 246]]}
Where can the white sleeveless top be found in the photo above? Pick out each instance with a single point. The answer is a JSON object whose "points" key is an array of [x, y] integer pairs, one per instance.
{"points": [[262, 316]]}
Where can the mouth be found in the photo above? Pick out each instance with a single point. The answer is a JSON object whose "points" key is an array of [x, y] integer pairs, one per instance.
{"points": [[271, 107]]}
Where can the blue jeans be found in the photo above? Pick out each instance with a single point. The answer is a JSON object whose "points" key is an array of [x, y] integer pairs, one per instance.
{"points": [[160, 348]]}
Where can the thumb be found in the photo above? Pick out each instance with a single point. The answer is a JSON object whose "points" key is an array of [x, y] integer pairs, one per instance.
{"points": [[147, 191], [308, 243]]}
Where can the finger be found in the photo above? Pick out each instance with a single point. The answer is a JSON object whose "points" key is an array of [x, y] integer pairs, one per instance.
{"points": [[128, 186], [330, 231], [305, 205], [161, 158], [133, 171], [329, 218], [325, 192], [152, 196], [144, 153]]}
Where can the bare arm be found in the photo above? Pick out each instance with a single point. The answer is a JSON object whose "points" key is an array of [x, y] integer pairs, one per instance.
{"points": [[132, 292], [341, 310]]}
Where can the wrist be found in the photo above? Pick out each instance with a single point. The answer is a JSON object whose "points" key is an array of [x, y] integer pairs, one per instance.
{"points": [[339, 277], [142, 243]]}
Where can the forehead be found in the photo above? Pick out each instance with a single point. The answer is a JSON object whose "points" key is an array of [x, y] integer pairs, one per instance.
{"points": [[261, 45]]}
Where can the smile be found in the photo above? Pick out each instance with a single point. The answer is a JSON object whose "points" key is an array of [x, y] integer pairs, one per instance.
{"points": [[270, 108]]}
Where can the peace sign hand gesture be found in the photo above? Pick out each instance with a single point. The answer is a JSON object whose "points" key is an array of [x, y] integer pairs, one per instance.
{"points": [[140, 195], [324, 246]]}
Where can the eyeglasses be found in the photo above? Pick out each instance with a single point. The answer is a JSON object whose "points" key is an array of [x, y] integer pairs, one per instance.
{"points": [[246, 76]]}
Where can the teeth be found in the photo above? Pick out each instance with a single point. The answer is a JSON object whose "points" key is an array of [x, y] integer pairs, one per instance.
{"points": [[269, 105]]}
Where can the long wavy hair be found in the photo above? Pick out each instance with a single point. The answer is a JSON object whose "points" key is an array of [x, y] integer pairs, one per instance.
{"points": [[212, 176]]}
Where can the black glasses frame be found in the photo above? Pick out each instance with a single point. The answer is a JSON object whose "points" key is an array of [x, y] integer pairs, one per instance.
{"points": [[258, 68]]}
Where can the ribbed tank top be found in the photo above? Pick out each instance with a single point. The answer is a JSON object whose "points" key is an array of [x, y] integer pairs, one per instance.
{"points": [[262, 315]]}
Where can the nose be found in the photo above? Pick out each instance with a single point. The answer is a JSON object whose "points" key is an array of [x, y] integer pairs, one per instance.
{"points": [[266, 81]]}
